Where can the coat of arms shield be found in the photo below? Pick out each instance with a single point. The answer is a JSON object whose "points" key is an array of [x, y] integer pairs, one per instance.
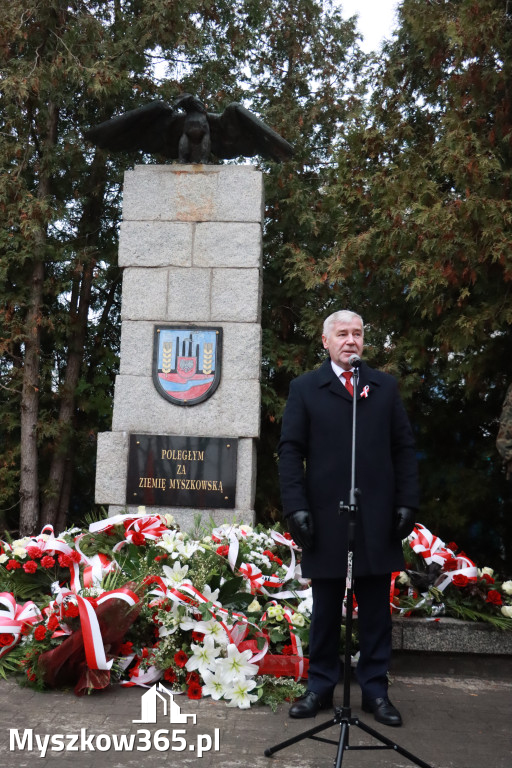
{"points": [[186, 362]]}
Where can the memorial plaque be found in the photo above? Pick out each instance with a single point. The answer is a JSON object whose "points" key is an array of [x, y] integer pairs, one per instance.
{"points": [[171, 471]]}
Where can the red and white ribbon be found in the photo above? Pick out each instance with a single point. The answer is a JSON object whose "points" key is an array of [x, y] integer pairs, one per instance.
{"points": [[12, 621]]}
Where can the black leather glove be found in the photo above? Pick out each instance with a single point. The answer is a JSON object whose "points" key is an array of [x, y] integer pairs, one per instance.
{"points": [[405, 519], [300, 524]]}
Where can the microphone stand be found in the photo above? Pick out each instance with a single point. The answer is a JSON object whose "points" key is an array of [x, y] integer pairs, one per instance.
{"points": [[343, 715]]}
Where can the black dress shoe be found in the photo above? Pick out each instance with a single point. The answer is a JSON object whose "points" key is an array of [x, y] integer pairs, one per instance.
{"points": [[309, 704], [383, 711]]}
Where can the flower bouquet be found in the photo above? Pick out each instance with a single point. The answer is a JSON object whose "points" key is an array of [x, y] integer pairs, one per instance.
{"points": [[131, 600]]}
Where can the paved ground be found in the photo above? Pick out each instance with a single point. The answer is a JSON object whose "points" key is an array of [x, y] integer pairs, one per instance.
{"points": [[454, 721]]}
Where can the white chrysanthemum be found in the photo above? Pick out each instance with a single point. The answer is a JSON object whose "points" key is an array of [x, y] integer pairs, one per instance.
{"points": [[237, 665], [203, 656], [239, 695]]}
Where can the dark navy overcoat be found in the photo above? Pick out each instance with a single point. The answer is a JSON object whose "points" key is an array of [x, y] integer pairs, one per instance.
{"points": [[315, 468]]}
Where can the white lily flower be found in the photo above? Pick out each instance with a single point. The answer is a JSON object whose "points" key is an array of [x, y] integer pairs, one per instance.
{"points": [[239, 695], [237, 665], [212, 628], [215, 684], [187, 548], [203, 656], [176, 575], [212, 597]]}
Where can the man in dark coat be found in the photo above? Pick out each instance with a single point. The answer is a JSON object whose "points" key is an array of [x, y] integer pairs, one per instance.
{"points": [[315, 476]]}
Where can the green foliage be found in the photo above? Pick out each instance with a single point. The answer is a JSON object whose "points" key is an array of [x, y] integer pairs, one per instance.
{"points": [[420, 197]]}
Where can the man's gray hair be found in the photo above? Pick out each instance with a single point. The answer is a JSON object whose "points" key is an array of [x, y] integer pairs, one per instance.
{"points": [[343, 315]]}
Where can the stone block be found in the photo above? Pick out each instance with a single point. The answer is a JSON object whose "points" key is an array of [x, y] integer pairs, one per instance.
{"points": [[144, 294], [241, 354], [246, 474], [189, 297], [112, 467], [155, 243], [227, 244], [136, 355], [236, 295], [193, 193], [139, 408]]}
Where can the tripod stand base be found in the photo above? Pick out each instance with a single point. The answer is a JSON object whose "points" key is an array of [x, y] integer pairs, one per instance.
{"points": [[343, 718]]}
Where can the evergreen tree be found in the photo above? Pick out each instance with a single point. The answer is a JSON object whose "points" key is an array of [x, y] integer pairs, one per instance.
{"points": [[66, 66], [305, 73], [422, 192]]}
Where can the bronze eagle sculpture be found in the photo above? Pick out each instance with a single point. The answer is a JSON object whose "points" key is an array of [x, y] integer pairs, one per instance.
{"points": [[188, 133]]}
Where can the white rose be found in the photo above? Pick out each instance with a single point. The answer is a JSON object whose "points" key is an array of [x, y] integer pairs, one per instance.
{"points": [[298, 620], [3, 558], [403, 579], [254, 607], [19, 552], [507, 611], [507, 587], [485, 571]]}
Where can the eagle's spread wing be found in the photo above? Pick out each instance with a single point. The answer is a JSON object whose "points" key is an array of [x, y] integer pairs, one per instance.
{"points": [[238, 132], [154, 128]]}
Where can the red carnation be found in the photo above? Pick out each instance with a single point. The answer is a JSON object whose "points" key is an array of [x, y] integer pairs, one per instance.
{"points": [[12, 565], [223, 551], [75, 556], [125, 649], [194, 691], [65, 561], [494, 597], [53, 622], [40, 632], [287, 650], [460, 580], [34, 552], [71, 611], [48, 562], [170, 675], [138, 538], [6, 638], [180, 659], [30, 566]]}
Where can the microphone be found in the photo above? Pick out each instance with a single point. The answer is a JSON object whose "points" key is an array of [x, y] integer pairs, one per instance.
{"points": [[354, 361]]}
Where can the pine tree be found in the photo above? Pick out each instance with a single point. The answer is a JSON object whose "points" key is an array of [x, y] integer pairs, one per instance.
{"points": [[66, 66], [422, 191]]}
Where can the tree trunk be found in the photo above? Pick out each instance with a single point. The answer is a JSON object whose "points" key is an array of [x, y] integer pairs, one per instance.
{"points": [[90, 225], [29, 483]]}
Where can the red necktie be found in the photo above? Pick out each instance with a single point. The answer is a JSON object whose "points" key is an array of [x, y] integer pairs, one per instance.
{"points": [[347, 375]]}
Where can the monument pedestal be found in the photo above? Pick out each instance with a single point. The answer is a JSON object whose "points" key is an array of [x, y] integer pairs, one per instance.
{"points": [[190, 248]]}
